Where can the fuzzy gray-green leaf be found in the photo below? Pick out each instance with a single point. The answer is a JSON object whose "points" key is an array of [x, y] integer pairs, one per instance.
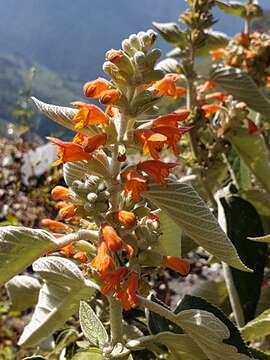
{"points": [[183, 204], [92, 327]]}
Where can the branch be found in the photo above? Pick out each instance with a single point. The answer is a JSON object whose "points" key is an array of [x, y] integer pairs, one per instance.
{"points": [[158, 309], [91, 235]]}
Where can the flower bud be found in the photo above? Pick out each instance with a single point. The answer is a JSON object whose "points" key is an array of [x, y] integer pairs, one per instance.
{"points": [[93, 89], [60, 193], [110, 97], [114, 72], [128, 48], [123, 217], [135, 41], [140, 60], [92, 197]]}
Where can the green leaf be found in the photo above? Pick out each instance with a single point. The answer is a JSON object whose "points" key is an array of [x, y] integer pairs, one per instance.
{"points": [[168, 66], [259, 355], [79, 169], [183, 204], [92, 327], [63, 116], [259, 199], [242, 87], [23, 291], [19, 247], [253, 151], [180, 345], [158, 324], [171, 33], [233, 7], [257, 328], [264, 239], [59, 298], [212, 40], [90, 354], [64, 339], [243, 221], [212, 331], [214, 292], [170, 239]]}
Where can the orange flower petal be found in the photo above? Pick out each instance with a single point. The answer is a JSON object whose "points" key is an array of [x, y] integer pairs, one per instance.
{"points": [[68, 151], [177, 264], [89, 114], [171, 119], [53, 225], [135, 184], [157, 169], [103, 262], [111, 238]]}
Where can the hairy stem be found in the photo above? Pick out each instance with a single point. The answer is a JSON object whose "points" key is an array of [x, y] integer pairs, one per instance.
{"points": [[116, 320], [233, 296], [158, 309], [91, 235]]}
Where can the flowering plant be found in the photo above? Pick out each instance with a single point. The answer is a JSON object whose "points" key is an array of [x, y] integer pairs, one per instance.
{"points": [[124, 207]]}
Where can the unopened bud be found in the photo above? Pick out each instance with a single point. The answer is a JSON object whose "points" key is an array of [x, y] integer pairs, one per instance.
{"points": [[135, 42], [128, 49], [92, 197], [93, 89], [110, 97]]}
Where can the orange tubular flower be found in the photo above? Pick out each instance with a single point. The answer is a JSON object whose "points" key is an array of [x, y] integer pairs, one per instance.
{"points": [[210, 109], [171, 119], [93, 89], [151, 141], [68, 151], [53, 225], [92, 143], [110, 97], [60, 193], [176, 264], [88, 114], [128, 297], [103, 262], [220, 96], [167, 85], [123, 217], [110, 236], [112, 280], [135, 184], [68, 250], [172, 134], [67, 211], [158, 170], [207, 86], [217, 54], [180, 91]]}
